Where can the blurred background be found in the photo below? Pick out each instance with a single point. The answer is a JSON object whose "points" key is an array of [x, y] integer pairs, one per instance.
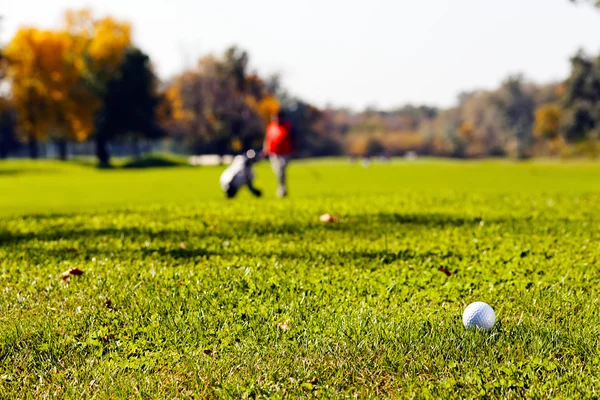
{"points": [[467, 79]]}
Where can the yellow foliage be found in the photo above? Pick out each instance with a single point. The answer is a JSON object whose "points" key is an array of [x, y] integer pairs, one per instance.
{"points": [[108, 44], [266, 107], [236, 145], [47, 69], [179, 112], [395, 142], [547, 121], [466, 130]]}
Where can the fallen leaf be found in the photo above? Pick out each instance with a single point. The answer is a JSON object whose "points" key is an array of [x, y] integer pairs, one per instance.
{"points": [[107, 338], [182, 246], [445, 271], [208, 352], [283, 325], [75, 271], [328, 218], [71, 272]]}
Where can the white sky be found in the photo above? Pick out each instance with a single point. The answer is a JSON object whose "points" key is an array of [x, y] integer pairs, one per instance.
{"points": [[352, 52]]}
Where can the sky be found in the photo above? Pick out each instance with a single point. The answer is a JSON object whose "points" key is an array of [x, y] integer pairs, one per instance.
{"points": [[352, 53]]}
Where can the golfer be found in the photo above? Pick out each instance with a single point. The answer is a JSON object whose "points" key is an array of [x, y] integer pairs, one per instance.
{"points": [[278, 147]]}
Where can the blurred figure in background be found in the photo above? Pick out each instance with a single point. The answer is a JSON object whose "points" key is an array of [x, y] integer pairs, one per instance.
{"points": [[278, 146], [238, 174]]}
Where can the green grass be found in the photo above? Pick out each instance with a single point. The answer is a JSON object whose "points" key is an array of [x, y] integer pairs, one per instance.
{"points": [[184, 294]]}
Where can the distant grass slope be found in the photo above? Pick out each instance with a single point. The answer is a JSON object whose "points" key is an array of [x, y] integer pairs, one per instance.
{"points": [[186, 294], [52, 186]]}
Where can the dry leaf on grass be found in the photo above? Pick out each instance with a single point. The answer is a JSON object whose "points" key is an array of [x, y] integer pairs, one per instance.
{"points": [[327, 218], [445, 271], [182, 245], [284, 326], [71, 272]]}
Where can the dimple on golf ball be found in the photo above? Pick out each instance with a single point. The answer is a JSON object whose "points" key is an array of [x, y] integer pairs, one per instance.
{"points": [[479, 315]]}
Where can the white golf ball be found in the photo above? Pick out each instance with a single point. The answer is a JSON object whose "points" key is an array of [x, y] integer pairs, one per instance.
{"points": [[479, 315]]}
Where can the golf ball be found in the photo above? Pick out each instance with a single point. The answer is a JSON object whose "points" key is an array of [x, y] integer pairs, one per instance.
{"points": [[479, 315]]}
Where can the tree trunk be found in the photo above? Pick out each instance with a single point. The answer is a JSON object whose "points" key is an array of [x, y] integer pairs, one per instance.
{"points": [[221, 149], [135, 147], [62, 149], [34, 150], [102, 151], [3, 148]]}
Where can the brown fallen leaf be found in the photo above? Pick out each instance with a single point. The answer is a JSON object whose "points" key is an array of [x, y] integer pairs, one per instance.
{"points": [[182, 245], [328, 218], [107, 338], [208, 352], [284, 326], [71, 272], [445, 271]]}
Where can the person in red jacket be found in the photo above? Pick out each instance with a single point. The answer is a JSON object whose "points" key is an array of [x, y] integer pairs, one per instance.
{"points": [[278, 146]]}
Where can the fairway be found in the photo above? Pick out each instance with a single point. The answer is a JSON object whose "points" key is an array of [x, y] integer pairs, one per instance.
{"points": [[187, 295]]}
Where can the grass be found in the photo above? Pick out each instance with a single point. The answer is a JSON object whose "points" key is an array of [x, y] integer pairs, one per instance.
{"points": [[185, 294]]}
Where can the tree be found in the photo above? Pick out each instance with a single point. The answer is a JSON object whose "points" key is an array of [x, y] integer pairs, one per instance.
{"points": [[218, 106], [8, 138], [129, 105], [547, 121], [517, 107], [58, 77], [594, 2], [581, 98], [309, 132], [34, 70], [100, 47], [487, 134]]}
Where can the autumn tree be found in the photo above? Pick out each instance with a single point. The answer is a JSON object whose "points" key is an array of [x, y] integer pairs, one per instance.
{"points": [[100, 47], [34, 63], [57, 77], [547, 121], [481, 114], [219, 106]]}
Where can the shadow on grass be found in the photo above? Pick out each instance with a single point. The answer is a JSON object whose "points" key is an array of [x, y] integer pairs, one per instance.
{"points": [[153, 162], [423, 219], [370, 259], [10, 172], [27, 171], [365, 225], [127, 163]]}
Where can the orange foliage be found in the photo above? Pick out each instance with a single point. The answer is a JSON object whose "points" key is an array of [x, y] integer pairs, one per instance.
{"points": [[266, 107], [394, 143], [466, 130], [48, 70], [547, 121]]}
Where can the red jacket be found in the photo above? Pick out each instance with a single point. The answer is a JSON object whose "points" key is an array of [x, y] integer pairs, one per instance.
{"points": [[278, 139]]}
